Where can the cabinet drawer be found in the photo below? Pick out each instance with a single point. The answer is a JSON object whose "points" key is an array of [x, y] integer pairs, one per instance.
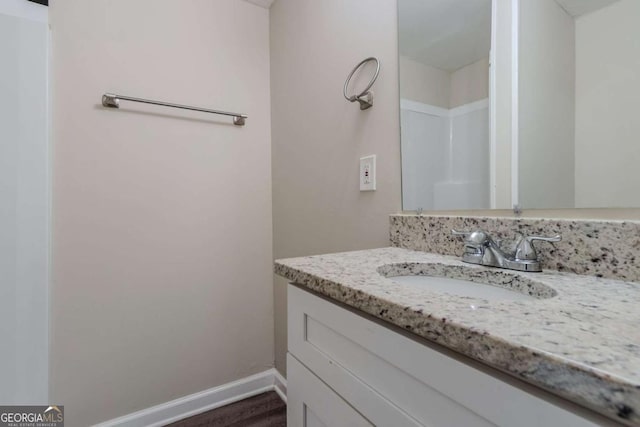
{"points": [[394, 380], [310, 403]]}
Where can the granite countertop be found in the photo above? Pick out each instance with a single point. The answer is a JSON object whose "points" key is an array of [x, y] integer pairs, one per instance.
{"points": [[580, 340]]}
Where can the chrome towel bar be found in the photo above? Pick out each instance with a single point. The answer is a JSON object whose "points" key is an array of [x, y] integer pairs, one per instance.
{"points": [[111, 100]]}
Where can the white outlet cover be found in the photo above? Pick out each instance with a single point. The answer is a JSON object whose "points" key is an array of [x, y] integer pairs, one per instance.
{"points": [[368, 173]]}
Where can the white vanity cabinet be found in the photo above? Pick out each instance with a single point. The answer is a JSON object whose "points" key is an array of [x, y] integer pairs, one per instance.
{"points": [[346, 370]]}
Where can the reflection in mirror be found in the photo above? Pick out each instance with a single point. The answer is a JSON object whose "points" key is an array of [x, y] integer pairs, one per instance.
{"points": [[579, 85], [444, 89]]}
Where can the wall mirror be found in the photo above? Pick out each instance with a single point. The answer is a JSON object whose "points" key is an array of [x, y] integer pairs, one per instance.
{"points": [[444, 50], [519, 102]]}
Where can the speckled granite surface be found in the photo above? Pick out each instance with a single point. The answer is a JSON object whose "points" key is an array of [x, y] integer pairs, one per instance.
{"points": [[582, 344], [596, 248]]}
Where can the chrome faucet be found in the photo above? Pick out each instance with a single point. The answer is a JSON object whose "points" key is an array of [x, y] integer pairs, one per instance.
{"points": [[480, 248]]}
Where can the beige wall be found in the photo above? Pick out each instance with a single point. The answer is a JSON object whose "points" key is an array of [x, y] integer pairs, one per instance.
{"points": [[433, 86], [318, 136], [470, 83], [546, 103], [161, 218], [607, 92], [422, 83]]}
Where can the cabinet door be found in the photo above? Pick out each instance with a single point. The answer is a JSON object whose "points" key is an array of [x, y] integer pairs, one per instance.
{"points": [[311, 403]]}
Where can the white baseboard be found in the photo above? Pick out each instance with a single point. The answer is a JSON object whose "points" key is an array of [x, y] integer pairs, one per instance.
{"points": [[280, 385], [203, 401]]}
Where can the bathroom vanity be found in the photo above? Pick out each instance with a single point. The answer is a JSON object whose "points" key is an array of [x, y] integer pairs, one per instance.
{"points": [[346, 369], [368, 349]]}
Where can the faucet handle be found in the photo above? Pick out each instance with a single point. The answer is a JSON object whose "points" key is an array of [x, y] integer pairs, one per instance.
{"points": [[525, 249], [461, 233]]}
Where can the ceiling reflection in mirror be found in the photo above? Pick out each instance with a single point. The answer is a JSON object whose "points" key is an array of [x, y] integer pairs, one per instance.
{"points": [[444, 89]]}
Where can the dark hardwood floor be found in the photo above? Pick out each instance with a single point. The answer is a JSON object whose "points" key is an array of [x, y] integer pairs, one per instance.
{"points": [[263, 410]]}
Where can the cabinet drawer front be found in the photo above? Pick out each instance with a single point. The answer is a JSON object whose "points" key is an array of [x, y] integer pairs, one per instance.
{"points": [[387, 395], [384, 374], [310, 403]]}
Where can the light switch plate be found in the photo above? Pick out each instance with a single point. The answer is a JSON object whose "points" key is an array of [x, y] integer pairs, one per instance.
{"points": [[368, 173]]}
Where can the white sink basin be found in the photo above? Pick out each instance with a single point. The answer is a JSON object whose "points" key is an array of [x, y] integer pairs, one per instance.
{"points": [[462, 288]]}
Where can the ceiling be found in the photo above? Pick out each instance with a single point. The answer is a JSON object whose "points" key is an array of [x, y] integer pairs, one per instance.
{"points": [[449, 34], [446, 34], [580, 7]]}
